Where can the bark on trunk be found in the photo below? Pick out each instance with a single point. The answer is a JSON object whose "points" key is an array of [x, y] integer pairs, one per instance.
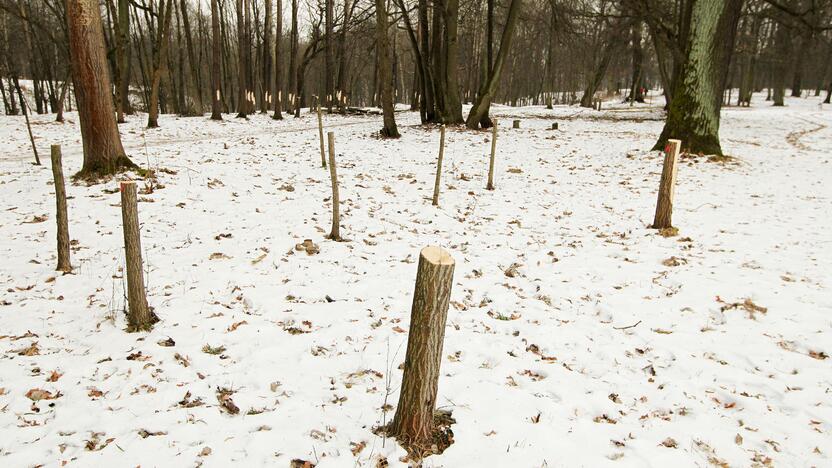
{"points": [[414, 420], [382, 43], [160, 61], [694, 113], [139, 317], [64, 264], [487, 89], [335, 233], [667, 186], [216, 103], [278, 69], [103, 152]]}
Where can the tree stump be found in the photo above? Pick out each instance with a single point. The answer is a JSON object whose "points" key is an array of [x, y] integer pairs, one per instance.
{"points": [[321, 136], [335, 233], [554, 125], [439, 166], [664, 204], [138, 314], [490, 185], [61, 216], [515, 124], [414, 420]]}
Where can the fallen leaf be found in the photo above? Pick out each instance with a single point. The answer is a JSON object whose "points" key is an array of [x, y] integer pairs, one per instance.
{"points": [[37, 394]]}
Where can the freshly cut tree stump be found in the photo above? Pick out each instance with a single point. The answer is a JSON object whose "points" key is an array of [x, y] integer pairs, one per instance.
{"points": [[414, 424], [664, 204], [335, 233], [515, 124], [439, 166], [61, 216], [490, 185], [321, 135], [139, 316]]}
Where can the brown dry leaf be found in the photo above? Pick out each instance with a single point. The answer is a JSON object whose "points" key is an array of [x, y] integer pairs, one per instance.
{"points": [[182, 360], [54, 376], [298, 463], [37, 219], [166, 342], [31, 350], [224, 398], [144, 433], [398, 329], [512, 271], [37, 394], [28, 334], [356, 448], [2, 391], [669, 443], [205, 452], [235, 325], [819, 355], [94, 393], [218, 256]]}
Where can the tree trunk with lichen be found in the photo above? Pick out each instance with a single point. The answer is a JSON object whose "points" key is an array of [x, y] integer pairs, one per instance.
{"points": [[693, 116], [103, 152]]}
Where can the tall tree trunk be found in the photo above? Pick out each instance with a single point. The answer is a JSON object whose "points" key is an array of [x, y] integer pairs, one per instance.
{"points": [[159, 65], [797, 79], [382, 43], [328, 56], [489, 87], [195, 81], [782, 45], [428, 90], [266, 62], [694, 114], [636, 94], [242, 91], [278, 68], [341, 90], [123, 60], [216, 104], [103, 152], [293, 58], [453, 102]]}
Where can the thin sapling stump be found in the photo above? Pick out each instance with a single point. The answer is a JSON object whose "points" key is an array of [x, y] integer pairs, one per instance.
{"points": [[490, 185], [439, 166], [64, 264], [139, 317], [515, 124], [321, 135], [335, 233], [414, 425], [664, 203]]}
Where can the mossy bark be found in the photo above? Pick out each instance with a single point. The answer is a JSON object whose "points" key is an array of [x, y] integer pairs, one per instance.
{"points": [[693, 116]]}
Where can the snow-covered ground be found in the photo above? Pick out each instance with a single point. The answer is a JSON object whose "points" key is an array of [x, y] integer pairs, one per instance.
{"points": [[576, 337]]}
